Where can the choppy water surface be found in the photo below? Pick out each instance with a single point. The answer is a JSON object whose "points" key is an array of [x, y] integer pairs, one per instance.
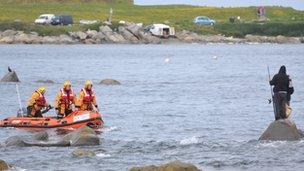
{"points": [[195, 109]]}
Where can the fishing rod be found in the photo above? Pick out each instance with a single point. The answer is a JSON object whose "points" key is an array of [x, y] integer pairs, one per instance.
{"points": [[19, 100], [271, 100]]}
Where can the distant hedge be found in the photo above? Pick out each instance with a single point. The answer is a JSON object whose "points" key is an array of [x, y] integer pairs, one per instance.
{"points": [[266, 29], [227, 29]]}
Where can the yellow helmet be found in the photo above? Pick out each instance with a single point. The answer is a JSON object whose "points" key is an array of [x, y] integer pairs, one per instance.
{"points": [[41, 89], [66, 83], [88, 83]]}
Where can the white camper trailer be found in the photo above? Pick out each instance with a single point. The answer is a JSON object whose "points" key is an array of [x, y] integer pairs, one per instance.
{"points": [[161, 30]]}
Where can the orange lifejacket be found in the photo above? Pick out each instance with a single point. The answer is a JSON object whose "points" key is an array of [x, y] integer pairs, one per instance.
{"points": [[41, 100], [67, 97], [88, 96]]}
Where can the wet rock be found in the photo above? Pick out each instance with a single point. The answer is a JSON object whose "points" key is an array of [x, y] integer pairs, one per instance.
{"points": [[45, 81], [83, 136], [83, 153], [11, 76], [110, 82], [282, 130], [27, 140], [41, 136], [4, 165], [172, 166]]}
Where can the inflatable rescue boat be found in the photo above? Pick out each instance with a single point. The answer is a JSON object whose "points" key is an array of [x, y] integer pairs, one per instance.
{"points": [[75, 120]]}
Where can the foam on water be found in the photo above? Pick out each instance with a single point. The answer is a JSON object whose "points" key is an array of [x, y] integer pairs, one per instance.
{"points": [[102, 155], [110, 129], [188, 141]]}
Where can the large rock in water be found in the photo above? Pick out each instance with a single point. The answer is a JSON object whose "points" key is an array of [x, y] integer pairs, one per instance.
{"points": [[11, 76], [83, 153], [172, 166], [4, 165], [109, 82], [45, 81], [26, 141], [83, 136], [282, 130]]}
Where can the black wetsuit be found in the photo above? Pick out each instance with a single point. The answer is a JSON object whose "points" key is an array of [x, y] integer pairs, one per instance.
{"points": [[281, 88]]}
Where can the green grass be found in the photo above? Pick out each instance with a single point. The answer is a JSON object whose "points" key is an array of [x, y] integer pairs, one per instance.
{"points": [[286, 20]]}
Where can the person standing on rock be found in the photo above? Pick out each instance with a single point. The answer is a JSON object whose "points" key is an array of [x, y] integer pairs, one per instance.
{"points": [[280, 82]]}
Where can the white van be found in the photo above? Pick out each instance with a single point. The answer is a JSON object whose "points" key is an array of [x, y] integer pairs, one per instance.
{"points": [[44, 19]]}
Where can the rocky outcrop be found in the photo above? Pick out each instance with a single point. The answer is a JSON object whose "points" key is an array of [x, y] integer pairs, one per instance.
{"points": [[266, 39], [111, 36], [128, 35], [189, 37], [45, 81], [25, 141], [287, 40], [83, 153], [83, 136], [172, 166], [4, 165], [11, 76], [282, 130], [128, 32], [109, 82]]}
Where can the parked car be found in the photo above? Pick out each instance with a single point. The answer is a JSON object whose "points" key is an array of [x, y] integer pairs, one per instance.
{"points": [[62, 20], [161, 30], [44, 19], [203, 20]]}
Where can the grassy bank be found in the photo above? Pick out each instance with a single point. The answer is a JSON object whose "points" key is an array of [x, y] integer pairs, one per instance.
{"points": [[285, 21]]}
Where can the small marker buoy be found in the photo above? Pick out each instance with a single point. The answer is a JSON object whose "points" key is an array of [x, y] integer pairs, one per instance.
{"points": [[215, 57]]}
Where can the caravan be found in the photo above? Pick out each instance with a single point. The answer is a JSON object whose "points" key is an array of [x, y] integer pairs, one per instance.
{"points": [[161, 30]]}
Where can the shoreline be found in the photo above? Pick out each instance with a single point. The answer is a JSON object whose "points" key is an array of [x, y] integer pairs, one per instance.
{"points": [[131, 33]]}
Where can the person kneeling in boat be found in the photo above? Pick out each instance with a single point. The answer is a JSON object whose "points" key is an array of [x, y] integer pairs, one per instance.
{"points": [[87, 99], [65, 100], [37, 102]]}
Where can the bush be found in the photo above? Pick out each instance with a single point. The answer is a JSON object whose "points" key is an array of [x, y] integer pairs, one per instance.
{"points": [[266, 29]]}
